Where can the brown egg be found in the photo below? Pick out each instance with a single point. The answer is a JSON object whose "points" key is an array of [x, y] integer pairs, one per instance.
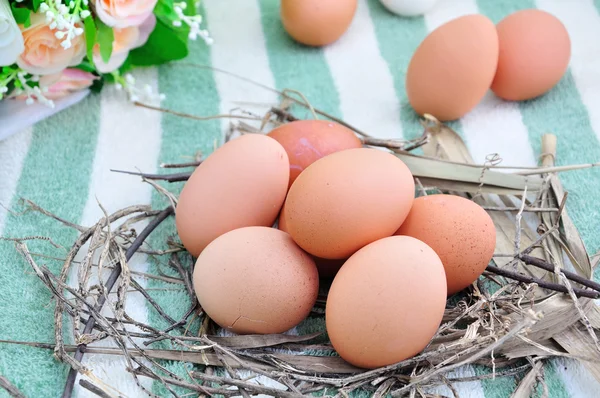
{"points": [[459, 230], [306, 141], [453, 68], [256, 280], [243, 183], [317, 22], [386, 302], [327, 268], [347, 200], [534, 54]]}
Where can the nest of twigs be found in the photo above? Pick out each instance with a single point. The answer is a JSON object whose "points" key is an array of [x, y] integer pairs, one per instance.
{"points": [[534, 302]]}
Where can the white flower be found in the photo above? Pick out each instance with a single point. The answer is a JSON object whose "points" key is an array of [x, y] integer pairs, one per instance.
{"points": [[11, 40]]}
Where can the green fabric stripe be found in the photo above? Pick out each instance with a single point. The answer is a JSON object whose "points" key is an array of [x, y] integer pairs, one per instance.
{"points": [[192, 91], [296, 66], [562, 112], [56, 176], [497, 10], [398, 39]]}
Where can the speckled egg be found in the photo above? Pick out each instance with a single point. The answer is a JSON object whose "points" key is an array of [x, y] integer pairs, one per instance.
{"points": [[347, 200], [386, 302], [453, 68], [317, 22], [243, 183], [306, 141], [327, 268], [459, 230], [256, 280]]}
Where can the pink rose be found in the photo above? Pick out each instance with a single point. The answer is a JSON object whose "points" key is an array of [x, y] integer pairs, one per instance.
{"points": [[124, 13], [126, 39], [43, 54], [62, 84], [69, 81]]}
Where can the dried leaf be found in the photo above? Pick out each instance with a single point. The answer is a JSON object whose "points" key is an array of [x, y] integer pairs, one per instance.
{"points": [[578, 342], [525, 389], [423, 167], [258, 340]]}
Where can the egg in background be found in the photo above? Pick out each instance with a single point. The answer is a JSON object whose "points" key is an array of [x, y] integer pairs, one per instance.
{"points": [[453, 68], [535, 49], [409, 8], [317, 22]]}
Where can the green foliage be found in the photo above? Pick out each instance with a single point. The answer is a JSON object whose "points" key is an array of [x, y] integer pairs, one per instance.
{"points": [[164, 45], [90, 32], [167, 42], [22, 15], [105, 38]]}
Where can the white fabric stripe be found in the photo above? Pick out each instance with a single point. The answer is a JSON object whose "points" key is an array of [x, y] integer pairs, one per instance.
{"points": [[12, 155], [577, 380], [240, 48], [129, 139], [481, 125], [496, 126], [363, 80], [582, 21], [469, 389]]}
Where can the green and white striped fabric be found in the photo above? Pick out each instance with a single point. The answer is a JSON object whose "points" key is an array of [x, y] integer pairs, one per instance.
{"points": [[63, 163]]}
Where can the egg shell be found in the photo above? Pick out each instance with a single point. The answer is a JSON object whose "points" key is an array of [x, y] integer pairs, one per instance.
{"points": [[386, 302], [453, 68], [243, 183], [535, 49], [317, 22], [306, 141], [459, 230], [409, 8], [347, 200], [327, 268], [256, 280]]}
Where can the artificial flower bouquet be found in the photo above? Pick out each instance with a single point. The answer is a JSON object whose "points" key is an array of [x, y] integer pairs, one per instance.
{"points": [[51, 48]]}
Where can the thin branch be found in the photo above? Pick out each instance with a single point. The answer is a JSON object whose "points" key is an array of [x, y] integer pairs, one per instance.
{"points": [[94, 389], [180, 165], [112, 279], [189, 116], [10, 388], [557, 287], [176, 177], [543, 264]]}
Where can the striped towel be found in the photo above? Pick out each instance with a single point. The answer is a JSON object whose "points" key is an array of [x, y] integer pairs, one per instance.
{"points": [[63, 163]]}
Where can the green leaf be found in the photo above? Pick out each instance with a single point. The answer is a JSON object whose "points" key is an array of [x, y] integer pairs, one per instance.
{"points": [[89, 28], [36, 5], [86, 66], [22, 15], [191, 7], [106, 37], [165, 11], [164, 45]]}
